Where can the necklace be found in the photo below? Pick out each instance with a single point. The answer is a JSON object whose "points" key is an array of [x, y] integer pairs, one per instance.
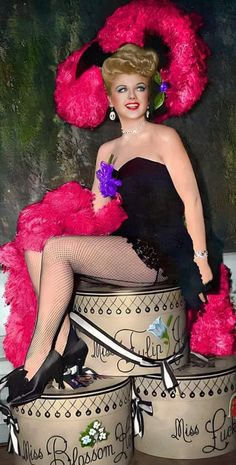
{"points": [[134, 130]]}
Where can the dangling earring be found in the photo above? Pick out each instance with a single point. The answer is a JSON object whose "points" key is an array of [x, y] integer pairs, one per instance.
{"points": [[148, 112], [112, 114]]}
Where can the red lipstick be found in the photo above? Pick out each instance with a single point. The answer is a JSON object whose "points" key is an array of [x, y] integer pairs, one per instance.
{"points": [[132, 105]]}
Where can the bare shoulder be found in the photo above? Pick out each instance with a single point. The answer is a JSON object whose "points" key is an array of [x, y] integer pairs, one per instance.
{"points": [[169, 144], [165, 134]]}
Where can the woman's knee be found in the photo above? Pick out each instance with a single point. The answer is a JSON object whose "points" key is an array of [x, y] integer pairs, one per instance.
{"points": [[32, 257], [33, 262], [54, 248]]}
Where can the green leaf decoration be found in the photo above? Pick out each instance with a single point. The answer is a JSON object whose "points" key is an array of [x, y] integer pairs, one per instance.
{"points": [[165, 335], [169, 321], [157, 78], [94, 433], [111, 158], [159, 100], [166, 342]]}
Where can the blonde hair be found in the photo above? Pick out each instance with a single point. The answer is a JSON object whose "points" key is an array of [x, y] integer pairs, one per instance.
{"points": [[129, 59]]}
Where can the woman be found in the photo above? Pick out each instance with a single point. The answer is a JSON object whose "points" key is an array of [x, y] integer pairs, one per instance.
{"points": [[158, 187]]}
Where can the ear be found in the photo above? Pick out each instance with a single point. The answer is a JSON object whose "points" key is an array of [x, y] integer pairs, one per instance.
{"points": [[109, 100]]}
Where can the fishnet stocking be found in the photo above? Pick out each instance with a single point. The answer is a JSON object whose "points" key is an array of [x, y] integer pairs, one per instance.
{"points": [[107, 258], [33, 260]]}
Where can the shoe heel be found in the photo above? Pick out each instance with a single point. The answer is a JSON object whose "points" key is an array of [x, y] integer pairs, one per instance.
{"points": [[59, 379], [81, 364], [60, 384], [76, 356]]}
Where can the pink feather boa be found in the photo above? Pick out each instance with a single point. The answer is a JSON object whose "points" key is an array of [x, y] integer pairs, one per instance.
{"points": [[213, 332], [68, 210]]}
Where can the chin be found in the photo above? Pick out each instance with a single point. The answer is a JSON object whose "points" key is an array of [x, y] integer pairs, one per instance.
{"points": [[133, 114]]}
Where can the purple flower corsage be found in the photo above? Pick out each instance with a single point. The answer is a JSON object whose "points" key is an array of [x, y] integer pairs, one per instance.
{"points": [[108, 184], [163, 87]]}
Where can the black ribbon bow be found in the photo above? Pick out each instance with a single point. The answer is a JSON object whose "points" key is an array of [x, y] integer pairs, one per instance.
{"points": [[138, 407], [13, 427]]}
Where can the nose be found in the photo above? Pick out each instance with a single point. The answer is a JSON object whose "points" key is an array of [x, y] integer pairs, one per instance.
{"points": [[132, 95]]}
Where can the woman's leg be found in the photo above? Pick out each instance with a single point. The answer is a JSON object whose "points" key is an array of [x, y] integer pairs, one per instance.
{"points": [[34, 261], [107, 258]]}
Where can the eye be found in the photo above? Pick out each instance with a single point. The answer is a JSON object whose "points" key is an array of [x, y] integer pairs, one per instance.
{"points": [[141, 88], [121, 89]]}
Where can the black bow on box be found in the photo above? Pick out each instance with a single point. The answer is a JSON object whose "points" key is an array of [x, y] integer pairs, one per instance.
{"points": [[13, 427]]}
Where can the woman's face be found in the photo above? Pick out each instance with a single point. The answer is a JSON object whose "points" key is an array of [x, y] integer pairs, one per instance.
{"points": [[129, 95]]}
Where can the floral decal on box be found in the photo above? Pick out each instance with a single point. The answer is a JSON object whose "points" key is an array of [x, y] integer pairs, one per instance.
{"points": [[160, 329], [94, 433]]}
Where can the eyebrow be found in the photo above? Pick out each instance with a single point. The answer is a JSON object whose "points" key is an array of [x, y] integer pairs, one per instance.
{"points": [[124, 85]]}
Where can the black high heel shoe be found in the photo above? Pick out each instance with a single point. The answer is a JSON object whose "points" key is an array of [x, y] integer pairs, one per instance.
{"points": [[73, 359], [75, 352], [52, 368]]}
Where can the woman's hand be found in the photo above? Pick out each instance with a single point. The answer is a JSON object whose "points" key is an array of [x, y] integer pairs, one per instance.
{"points": [[205, 270], [206, 273]]}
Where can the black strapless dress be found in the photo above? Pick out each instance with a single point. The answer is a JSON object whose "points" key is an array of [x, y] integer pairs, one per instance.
{"points": [[155, 224]]}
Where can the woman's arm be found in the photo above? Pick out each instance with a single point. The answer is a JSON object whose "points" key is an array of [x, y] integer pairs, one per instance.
{"points": [[102, 155], [178, 164], [109, 214]]}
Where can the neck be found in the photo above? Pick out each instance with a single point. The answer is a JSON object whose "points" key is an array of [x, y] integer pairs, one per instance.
{"points": [[132, 127]]}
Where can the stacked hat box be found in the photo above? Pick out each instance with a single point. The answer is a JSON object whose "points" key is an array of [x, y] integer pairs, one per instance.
{"points": [[90, 424], [149, 322], [173, 408], [194, 421]]}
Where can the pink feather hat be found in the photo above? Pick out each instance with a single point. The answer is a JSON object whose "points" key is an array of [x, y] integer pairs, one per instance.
{"points": [[80, 94]]}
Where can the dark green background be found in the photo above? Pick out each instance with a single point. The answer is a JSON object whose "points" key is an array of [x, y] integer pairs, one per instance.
{"points": [[39, 152]]}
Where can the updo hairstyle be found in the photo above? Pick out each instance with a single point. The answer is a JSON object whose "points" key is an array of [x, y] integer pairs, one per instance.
{"points": [[129, 59]]}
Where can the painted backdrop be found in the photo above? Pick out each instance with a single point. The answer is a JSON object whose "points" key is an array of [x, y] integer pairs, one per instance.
{"points": [[38, 151]]}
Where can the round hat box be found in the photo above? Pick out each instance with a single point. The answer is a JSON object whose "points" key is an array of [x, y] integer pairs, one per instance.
{"points": [[90, 424], [150, 322], [194, 422]]}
